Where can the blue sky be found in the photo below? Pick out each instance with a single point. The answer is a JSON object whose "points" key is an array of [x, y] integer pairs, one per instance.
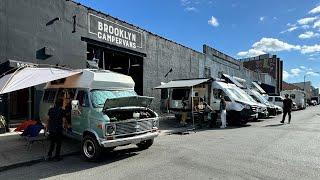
{"points": [[288, 28]]}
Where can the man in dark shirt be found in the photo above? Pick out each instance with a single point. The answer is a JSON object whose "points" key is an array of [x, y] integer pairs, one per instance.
{"points": [[55, 128], [287, 107]]}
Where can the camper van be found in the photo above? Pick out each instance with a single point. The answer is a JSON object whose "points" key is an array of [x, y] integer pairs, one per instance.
{"points": [[243, 89], [239, 110], [272, 111], [105, 111], [297, 96]]}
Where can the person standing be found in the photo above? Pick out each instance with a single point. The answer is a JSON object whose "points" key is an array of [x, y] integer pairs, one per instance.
{"points": [[287, 107], [184, 113], [223, 112], [55, 127]]}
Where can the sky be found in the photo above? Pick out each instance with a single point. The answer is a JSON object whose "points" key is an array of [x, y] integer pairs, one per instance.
{"points": [[289, 29]]}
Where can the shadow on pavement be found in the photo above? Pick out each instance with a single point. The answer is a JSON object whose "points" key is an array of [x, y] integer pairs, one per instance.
{"points": [[72, 164], [274, 125]]}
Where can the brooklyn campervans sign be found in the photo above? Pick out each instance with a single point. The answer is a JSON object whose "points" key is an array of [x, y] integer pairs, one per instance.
{"points": [[113, 32]]}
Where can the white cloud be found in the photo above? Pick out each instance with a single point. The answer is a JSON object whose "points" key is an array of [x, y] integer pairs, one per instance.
{"points": [[308, 35], [213, 22], [190, 5], [290, 29], [250, 53], [308, 20], [285, 75], [266, 45], [273, 45], [275, 18], [315, 10], [193, 9], [295, 71], [310, 49], [311, 73], [262, 18], [185, 2], [302, 67], [316, 24]]}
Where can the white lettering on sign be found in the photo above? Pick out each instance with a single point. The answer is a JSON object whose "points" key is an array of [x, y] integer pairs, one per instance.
{"points": [[114, 33]]}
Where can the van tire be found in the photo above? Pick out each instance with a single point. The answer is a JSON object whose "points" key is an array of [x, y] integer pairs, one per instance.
{"points": [[145, 144], [91, 149]]}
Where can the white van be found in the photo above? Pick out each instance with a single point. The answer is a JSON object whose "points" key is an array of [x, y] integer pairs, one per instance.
{"points": [[297, 96], [240, 110], [276, 100], [106, 112], [272, 111]]}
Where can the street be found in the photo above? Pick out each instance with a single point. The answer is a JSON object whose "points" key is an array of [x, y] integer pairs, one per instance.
{"points": [[261, 150]]}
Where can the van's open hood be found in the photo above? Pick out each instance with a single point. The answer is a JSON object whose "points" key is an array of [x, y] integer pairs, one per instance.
{"points": [[137, 101]]}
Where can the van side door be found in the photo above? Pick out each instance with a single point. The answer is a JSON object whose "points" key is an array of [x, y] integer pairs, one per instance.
{"points": [[79, 120]]}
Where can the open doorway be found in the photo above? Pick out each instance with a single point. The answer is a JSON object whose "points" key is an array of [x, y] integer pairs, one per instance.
{"points": [[120, 62]]}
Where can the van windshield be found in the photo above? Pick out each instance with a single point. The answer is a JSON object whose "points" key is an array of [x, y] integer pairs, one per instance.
{"points": [[260, 97], [235, 94], [99, 97]]}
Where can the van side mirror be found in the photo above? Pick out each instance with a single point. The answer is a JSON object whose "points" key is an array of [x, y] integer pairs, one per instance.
{"points": [[75, 105]]}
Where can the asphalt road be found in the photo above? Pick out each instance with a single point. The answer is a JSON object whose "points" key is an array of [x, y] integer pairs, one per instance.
{"points": [[263, 150]]}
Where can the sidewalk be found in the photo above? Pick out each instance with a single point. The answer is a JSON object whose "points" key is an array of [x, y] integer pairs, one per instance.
{"points": [[14, 152], [168, 125]]}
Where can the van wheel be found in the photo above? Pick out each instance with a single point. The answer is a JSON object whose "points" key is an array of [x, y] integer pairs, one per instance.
{"points": [[91, 150], [145, 144]]}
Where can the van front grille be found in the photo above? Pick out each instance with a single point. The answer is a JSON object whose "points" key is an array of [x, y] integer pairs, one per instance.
{"points": [[130, 127]]}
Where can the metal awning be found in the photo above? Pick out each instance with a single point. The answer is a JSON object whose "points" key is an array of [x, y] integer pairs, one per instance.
{"points": [[182, 83], [258, 87], [32, 76], [232, 80]]}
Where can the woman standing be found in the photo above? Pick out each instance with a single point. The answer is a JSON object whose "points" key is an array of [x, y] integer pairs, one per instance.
{"points": [[223, 112]]}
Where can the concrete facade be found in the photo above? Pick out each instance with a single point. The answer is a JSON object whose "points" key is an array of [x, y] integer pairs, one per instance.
{"points": [[57, 32]]}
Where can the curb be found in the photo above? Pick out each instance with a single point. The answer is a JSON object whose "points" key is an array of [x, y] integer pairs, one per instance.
{"points": [[32, 162]]}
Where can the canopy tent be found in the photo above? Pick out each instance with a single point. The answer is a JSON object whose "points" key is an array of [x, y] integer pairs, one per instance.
{"points": [[232, 80], [29, 76], [184, 83]]}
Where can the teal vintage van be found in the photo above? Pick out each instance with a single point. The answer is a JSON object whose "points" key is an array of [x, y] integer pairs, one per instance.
{"points": [[105, 111]]}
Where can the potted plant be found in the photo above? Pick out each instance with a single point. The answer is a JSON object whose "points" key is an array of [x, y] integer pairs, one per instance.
{"points": [[2, 125]]}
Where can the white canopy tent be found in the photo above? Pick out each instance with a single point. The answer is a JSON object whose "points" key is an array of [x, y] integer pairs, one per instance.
{"points": [[184, 83], [29, 76]]}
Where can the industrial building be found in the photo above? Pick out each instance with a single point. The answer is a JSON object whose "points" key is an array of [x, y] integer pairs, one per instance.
{"points": [[66, 33]]}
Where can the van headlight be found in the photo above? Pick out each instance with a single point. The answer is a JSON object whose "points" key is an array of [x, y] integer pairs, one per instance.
{"points": [[111, 129], [245, 106]]}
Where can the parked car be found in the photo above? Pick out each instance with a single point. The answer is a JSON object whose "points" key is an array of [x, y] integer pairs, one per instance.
{"points": [[261, 99], [276, 100], [106, 111], [297, 96], [279, 109], [294, 106], [313, 102]]}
